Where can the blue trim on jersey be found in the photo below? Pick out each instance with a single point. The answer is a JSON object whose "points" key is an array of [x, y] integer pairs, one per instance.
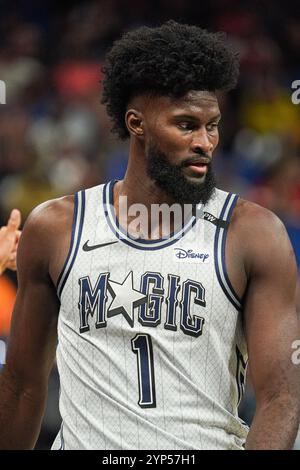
{"points": [[219, 245], [72, 240], [140, 242], [224, 237], [81, 206]]}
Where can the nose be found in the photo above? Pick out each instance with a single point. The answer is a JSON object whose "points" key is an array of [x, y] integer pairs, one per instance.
{"points": [[201, 142]]}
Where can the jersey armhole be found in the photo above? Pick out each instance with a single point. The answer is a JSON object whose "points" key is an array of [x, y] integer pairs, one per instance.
{"points": [[219, 250], [78, 216]]}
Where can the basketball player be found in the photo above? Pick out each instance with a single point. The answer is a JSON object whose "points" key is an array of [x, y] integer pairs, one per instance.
{"points": [[154, 332], [9, 239]]}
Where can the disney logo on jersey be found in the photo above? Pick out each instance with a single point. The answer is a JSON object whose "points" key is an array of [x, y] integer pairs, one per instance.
{"points": [[191, 256]]}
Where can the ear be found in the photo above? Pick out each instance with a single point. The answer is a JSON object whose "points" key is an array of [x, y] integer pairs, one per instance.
{"points": [[134, 122]]}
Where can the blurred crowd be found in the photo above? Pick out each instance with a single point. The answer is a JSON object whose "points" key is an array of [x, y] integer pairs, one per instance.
{"points": [[55, 135]]}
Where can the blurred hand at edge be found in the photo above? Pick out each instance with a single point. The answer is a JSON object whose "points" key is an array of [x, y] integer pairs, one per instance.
{"points": [[9, 239]]}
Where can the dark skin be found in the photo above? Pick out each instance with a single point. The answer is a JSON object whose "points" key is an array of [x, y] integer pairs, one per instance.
{"points": [[260, 263]]}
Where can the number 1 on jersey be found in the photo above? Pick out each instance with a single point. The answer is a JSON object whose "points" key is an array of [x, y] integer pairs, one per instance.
{"points": [[142, 347]]}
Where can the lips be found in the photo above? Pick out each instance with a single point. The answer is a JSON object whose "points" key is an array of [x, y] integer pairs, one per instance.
{"points": [[200, 168], [197, 166]]}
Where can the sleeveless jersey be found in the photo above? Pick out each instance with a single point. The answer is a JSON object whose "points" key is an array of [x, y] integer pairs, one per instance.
{"points": [[151, 352]]}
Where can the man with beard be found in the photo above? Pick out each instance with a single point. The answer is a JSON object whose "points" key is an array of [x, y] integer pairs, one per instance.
{"points": [[154, 332]]}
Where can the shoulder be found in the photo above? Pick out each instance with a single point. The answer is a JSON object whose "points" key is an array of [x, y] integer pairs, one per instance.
{"points": [[54, 211], [50, 218], [259, 233], [249, 216], [44, 229]]}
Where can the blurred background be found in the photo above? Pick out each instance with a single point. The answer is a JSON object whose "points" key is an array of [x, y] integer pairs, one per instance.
{"points": [[55, 136]]}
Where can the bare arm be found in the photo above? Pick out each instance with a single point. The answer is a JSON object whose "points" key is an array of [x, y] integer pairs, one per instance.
{"points": [[271, 327], [32, 344]]}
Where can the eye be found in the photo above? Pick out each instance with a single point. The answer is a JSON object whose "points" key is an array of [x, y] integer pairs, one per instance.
{"points": [[186, 125], [212, 127]]}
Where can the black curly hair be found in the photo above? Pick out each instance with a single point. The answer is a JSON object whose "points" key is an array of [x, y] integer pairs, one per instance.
{"points": [[169, 60]]}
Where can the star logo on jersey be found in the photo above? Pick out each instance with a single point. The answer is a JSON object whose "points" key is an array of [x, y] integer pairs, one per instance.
{"points": [[125, 298]]}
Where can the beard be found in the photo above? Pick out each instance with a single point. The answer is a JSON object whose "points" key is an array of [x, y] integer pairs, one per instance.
{"points": [[171, 179]]}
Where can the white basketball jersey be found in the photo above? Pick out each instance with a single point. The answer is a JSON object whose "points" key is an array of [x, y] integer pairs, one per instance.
{"points": [[151, 351]]}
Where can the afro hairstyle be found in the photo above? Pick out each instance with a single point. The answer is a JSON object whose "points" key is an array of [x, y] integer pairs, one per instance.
{"points": [[169, 60]]}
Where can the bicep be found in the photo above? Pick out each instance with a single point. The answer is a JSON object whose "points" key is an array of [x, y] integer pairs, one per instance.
{"points": [[33, 337], [270, 315]]}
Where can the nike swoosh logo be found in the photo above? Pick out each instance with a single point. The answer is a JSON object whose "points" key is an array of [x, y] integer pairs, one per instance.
{"points": [[87, 247]]}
